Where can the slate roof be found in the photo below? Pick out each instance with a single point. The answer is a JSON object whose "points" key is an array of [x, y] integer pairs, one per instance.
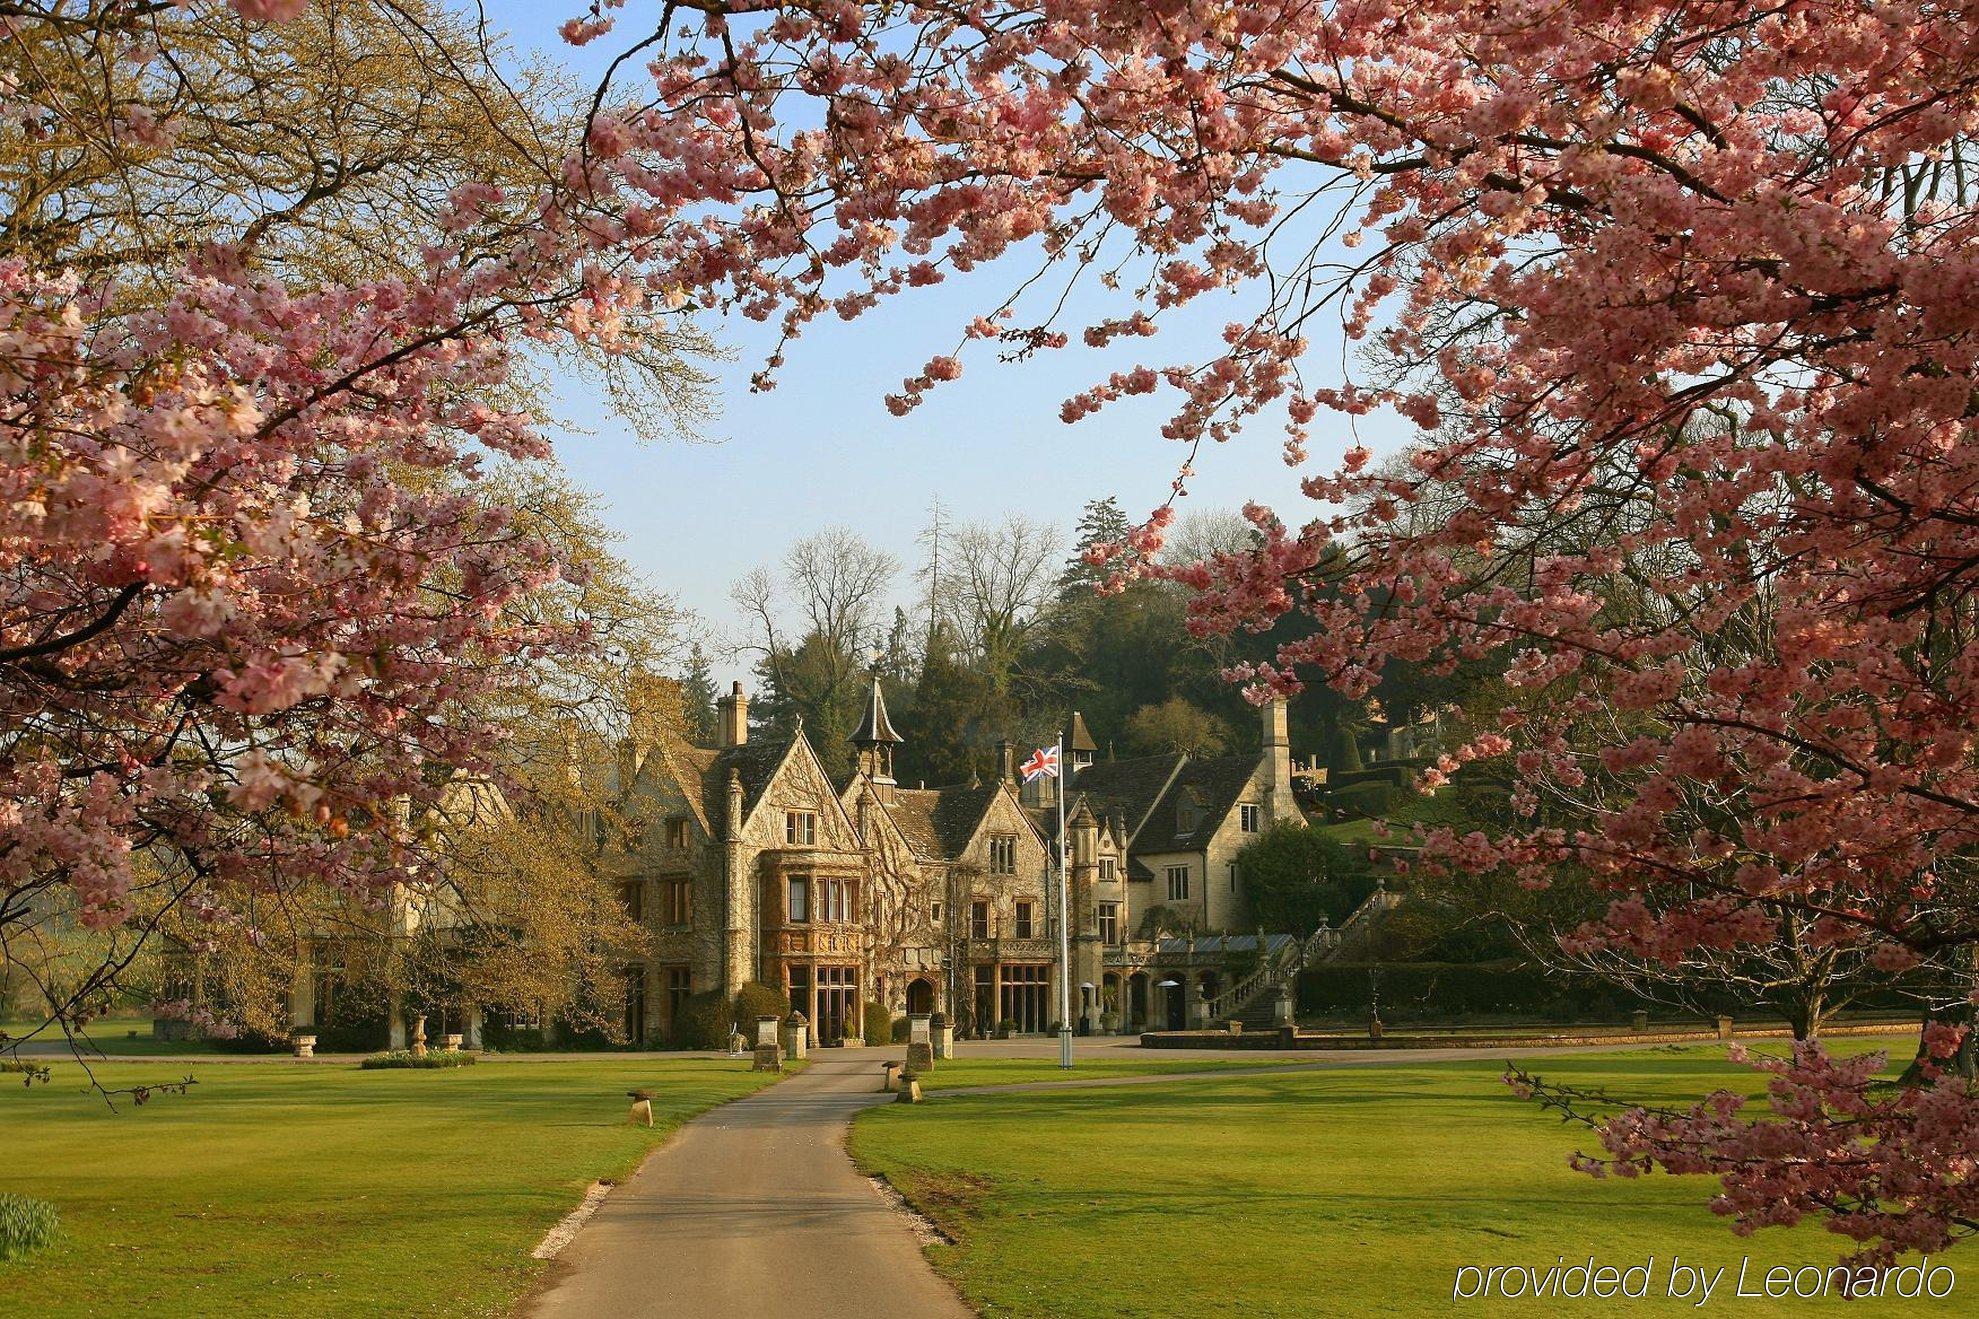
{"points": [[701, 773], [1128, 787], [756, 761], [1077, 736], [939, 822], [1212, 785]]}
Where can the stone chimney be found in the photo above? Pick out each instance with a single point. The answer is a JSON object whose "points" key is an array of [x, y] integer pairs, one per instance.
{"points": [[628, 764], [1278, 759], [1006, 761], [733, 716]]}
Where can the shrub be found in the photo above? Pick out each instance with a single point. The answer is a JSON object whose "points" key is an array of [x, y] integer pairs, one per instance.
{"points": [[435, 1058], [26, 1225], [758, 1000], [879, 1024], [703, 1021], [901, 1030]]}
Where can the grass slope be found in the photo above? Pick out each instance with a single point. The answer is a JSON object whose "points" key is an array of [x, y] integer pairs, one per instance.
{"points": [[277, 1189], [1351, 1192]]}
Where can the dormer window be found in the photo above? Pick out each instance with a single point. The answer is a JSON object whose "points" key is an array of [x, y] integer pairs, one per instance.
{"points": [[1247, 817], [800, 828]]}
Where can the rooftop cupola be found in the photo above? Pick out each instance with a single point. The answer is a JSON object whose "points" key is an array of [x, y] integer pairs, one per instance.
{"points": [[875, 740]]}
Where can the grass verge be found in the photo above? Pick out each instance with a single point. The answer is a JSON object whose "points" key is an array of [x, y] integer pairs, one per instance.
{"points": [[1354, 1191], [276, 1188]]}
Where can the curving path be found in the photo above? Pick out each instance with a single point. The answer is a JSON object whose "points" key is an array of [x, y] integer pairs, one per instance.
{"points": [[754, 1209]]}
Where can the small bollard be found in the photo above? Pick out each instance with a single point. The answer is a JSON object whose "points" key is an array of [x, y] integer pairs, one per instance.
{"points": [[910, 1092], [1639, 1021], [642, 1107], [890, 1076], [1724, 1028]]}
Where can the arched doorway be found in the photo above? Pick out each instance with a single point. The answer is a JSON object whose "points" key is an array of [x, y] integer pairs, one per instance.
{"points": [[1174, 1003], [920, 996]]}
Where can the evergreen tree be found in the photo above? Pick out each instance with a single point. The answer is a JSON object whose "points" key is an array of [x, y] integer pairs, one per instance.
{"points": [[698, 696], [1103, 522]]}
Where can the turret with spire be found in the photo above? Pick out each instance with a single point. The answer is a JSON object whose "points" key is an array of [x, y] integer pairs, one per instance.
{"points": [[875, 740]]}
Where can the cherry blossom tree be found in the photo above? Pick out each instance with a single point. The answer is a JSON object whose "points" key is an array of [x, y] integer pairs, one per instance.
{"points": [[258, 617], [1681, 301]]}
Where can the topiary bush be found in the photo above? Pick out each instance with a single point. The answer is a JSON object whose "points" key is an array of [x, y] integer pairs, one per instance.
{"points": [[879, 1024], [434, 1058], [758, 1000], [901, 1030], [26, 1225]]}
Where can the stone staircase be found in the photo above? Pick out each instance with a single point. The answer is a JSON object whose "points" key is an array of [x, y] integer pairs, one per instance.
{"points": [[1254, 999]]}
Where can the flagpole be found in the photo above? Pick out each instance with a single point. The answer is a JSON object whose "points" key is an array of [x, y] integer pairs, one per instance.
{"points": [[1064, 924]]}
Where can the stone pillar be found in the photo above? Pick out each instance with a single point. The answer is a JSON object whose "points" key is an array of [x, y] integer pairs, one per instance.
{"points": [[769, 1053], [796, 1036], [1638, 1021], [735, 932], [1285, 1012], [920, 1045], [473, 1023], [1724, 1028], [395, 1031], [943, 1031], [419, 1036], [996, 1001]]}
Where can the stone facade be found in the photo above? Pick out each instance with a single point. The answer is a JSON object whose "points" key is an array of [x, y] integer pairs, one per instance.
{"points": [[751, 865]]}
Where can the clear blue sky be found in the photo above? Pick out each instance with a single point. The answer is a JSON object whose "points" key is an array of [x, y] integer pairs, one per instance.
{"points": [[822, 449]]}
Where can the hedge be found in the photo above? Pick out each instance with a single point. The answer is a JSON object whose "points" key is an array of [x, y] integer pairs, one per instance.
{"points": [[1446, 989]]}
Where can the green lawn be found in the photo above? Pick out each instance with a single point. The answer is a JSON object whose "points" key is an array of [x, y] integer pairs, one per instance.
{"points": [[958, 1073], [277, 1188], [1351, 1192]]}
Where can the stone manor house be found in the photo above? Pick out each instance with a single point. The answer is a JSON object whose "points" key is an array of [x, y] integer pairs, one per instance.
{"points": [[751, 864]]}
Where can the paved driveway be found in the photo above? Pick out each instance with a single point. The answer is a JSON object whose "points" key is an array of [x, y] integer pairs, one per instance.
{"points": [[754, 1210]]}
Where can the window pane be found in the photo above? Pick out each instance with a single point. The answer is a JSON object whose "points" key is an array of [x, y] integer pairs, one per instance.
{"points": [[800, 902]]}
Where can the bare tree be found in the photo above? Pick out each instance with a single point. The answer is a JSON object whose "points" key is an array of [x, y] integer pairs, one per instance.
{"points": [[1000, 586]]}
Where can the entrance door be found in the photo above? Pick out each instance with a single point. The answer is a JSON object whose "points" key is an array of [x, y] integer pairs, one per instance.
{"points": [[837, 1003], [920, 997]]}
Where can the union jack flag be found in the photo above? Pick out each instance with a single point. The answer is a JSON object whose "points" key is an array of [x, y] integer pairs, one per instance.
{"points": [[1042, 764]]}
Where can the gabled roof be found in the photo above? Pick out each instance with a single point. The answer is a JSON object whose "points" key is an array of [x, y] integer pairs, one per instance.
{"points": [[1211, 786], [756, 762], [939, 822], [875, 727], [1126, 787]]}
